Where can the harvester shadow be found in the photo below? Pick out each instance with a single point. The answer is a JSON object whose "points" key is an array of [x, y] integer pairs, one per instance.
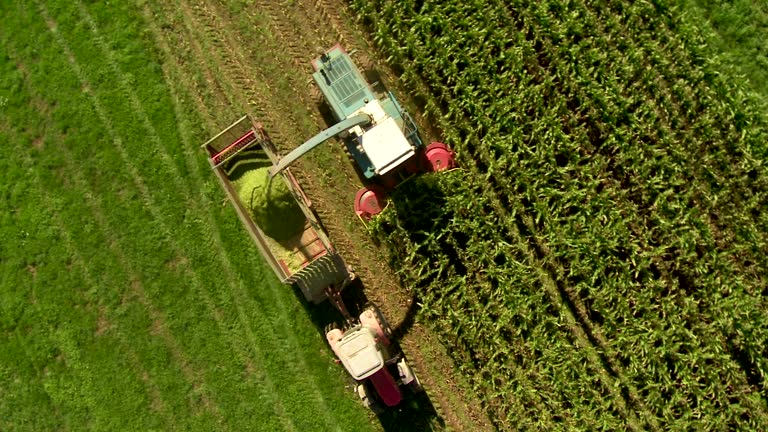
{"points": [[416, 412]]}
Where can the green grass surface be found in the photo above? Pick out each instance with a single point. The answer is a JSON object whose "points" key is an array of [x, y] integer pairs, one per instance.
{"points": [[130, 299], [597, 262], [738, 32]]}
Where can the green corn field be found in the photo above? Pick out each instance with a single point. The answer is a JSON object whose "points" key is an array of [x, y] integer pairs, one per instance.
{"points": [[598, 263]]}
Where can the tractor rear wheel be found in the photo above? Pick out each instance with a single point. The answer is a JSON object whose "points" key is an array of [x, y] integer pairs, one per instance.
{"points": [[381, 324], [382, 320]]}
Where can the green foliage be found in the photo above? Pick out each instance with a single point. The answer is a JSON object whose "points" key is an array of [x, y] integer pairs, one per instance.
{"points": [[601, 265], [739, 31]]}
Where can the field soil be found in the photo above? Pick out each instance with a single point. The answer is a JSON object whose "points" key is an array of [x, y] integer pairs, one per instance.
{"points": [[239, 57]]}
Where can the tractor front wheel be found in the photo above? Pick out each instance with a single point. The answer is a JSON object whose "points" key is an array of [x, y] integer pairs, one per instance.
{"points": [[370, 201], [367, 398]]}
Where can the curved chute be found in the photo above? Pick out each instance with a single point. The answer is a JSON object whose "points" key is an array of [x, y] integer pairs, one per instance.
{"points": [[356, 120]]}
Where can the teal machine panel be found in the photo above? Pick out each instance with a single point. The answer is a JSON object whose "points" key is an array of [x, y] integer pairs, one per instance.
{"points": [[343, 87], [346, 91]]}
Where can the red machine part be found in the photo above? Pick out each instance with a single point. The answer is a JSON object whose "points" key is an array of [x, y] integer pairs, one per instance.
{"points": [[372, 319], [386, 387], [235, 146], [370, 201], [439, 156]]}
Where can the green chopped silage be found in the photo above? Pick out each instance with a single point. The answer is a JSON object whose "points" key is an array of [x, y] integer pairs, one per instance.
{"points": [[271, 204]]}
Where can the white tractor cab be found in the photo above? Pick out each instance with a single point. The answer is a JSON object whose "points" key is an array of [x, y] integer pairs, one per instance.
{"points": [[368, 354]]}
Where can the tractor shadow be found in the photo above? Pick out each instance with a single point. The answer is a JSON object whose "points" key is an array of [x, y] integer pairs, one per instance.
{"points": [[416, 412]]}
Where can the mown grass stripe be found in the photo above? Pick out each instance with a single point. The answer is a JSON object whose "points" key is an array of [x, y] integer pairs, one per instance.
{"points": [[51, 205], [270, 388], [132, 228], [90, 195], [154, 137], [184, 363], [268, 333]]}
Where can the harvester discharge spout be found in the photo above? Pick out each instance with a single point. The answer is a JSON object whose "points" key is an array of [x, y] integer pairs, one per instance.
{"points": [[339, 128]]}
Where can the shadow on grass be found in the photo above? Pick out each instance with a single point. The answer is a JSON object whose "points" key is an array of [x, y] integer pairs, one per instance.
{"points": [[416, 412]]}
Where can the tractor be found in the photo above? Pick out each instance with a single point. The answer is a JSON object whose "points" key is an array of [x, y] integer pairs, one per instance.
{"points": [[371, 357], [380, 137]]}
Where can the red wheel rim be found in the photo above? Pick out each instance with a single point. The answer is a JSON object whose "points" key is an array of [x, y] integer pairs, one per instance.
{"points": [[369, 202], [440, 157]]}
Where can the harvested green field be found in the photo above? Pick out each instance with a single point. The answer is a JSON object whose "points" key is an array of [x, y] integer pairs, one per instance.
{"points": [[130, 297], [598, 263]]}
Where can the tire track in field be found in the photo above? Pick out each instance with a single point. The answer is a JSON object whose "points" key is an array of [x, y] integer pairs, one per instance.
{"points": [[230, 62], [193, 376], [153, 391], [176, 72], [224, 257], [219, 48]]}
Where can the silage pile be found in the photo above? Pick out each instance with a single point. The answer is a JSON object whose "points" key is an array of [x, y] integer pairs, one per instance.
{"points": [[270, 203]]}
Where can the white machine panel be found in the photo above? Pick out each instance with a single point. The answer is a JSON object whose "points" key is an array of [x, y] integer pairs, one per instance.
{"points": [[386, 146], [384, 142], [359, 354]]}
